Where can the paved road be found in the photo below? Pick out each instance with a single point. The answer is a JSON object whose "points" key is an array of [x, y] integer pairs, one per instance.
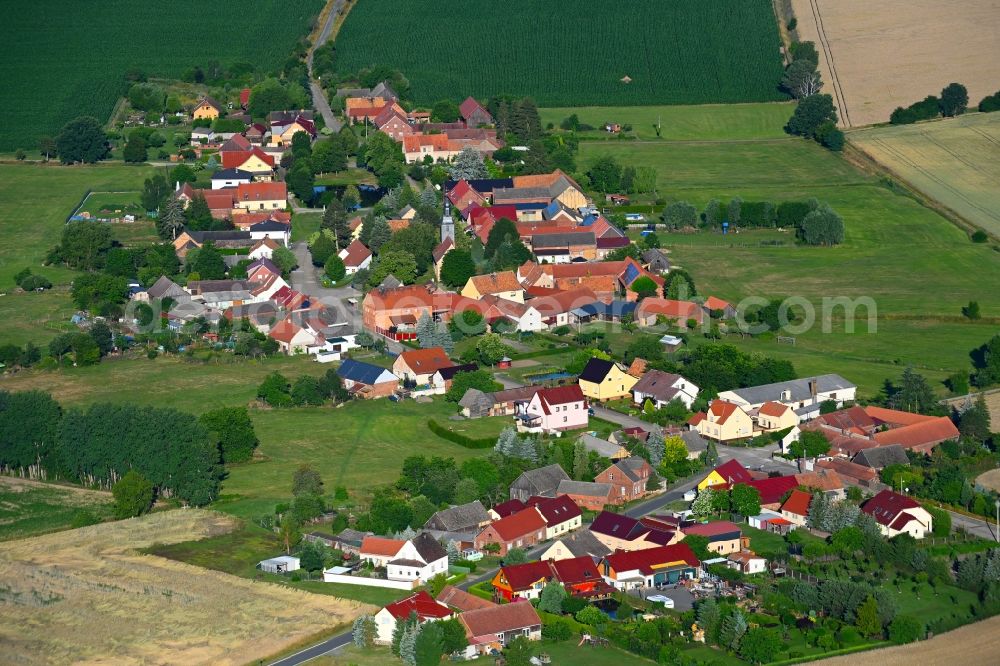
{"points": [[318, 94], [335, 643], [306, 278]]}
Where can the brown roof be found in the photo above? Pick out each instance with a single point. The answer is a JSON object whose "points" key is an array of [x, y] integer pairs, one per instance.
{"points": [[921, 435], [822, 479], [848, 469], [496, 282], [356, 255], [426, 361], [499, 619], [670, 308], [462, 600], [261, 191], [797, 503]]}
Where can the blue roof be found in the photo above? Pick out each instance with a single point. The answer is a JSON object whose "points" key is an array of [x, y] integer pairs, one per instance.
{"points": [[589, 220], [528, 206], [631, 273], [612, 309], [357, 371]]}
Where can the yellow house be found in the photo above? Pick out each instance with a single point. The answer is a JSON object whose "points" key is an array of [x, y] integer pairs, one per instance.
{"points": [[776, 416], [726, 474], [284, 138], [606, 380], [725, 421], [206, 108], [503, 285]]}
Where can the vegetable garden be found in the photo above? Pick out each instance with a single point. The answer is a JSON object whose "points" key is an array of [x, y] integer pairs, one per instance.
{"points": [[571, 52], [73, 62]]}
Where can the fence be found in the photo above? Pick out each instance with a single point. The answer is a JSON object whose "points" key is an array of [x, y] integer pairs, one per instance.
{"points": [[369, 582]]}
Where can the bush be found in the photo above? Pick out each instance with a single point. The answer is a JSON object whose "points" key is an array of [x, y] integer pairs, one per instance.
{"points": [[906, 629], [457, 438], [979, 236]]}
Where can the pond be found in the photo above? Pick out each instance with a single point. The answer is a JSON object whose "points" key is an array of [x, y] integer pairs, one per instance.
{"points": [[549, 376]]}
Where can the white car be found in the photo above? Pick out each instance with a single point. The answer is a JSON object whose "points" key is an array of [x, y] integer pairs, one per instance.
{"points": [[660, 599], [690, 495]]}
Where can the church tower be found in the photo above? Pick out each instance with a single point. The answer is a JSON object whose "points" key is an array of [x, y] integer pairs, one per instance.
{"points": [[447, 224]]}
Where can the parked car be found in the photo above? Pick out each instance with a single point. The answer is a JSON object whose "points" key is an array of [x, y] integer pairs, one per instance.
{"points": [[660, 599]]}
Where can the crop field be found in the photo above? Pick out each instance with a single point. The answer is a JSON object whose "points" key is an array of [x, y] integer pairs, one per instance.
{"points": [[917, 266], [73, 62], [955, 161], [87, 596], [571, 52], [875, 56], [29, 508]]}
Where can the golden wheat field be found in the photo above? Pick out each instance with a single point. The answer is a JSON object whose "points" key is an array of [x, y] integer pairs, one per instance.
{"points": [[86, 596]]}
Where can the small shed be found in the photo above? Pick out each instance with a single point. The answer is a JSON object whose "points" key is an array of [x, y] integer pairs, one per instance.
{"points": [[279, 565], [504, 363]]}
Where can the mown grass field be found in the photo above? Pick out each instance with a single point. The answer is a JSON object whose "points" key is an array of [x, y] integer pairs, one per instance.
{"points": [[918, 268], [707, 122], [55, 70], [29, 508], [563, 652], [88, 596], [955, 161], [571, 52]]}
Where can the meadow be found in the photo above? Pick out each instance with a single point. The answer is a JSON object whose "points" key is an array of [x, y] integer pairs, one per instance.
{"points": [[918, 267], [953, 161], [92, 598], [54, 70], [29, 508], [566, 53]]}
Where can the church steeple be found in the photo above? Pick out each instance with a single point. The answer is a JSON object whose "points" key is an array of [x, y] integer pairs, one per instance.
{"points": [[447, 223]]}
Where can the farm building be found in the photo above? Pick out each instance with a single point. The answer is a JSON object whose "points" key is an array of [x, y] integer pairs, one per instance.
{"points": [[279, 565]]}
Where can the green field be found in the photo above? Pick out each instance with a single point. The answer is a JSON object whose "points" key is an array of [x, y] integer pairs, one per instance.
{"points": [[707, 122], [30, 508], [73, 62], [955, 161], [571, 52], [563, 652], [917, 267]]}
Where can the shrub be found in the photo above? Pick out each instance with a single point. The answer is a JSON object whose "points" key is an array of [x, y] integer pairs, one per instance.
{"points": [[457, 438], [906, 629]]}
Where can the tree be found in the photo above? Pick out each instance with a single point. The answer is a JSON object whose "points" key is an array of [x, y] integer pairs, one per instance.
{"points": [[135, 150], [810, 113], [322, 248], [267, 96], [457, 267], [275, 390], [328, 156], [82, 140], [476, 379], [335, 219], [519, 652], [679, 215], [551, 598], [445, 111], [954, 100], [906, 629], [503, 230], [334, 268], [809, 445], [284, 259], [232, 430], [85, 350], [760, 645], [591, 616], [644, 287], [657, 447], [429, 645], [986, 360], [491, 348], [974, 422], [171, 219], [466, 490], [468, 164], [702, 506], [306, 391], [198, 215], [207, 262], [300, 180], [605, 174], [516, 556], [364, 631], [734, 626], [84, 245], [734, 212], [914, 393], [822, 226], [801, 79], [133, 495], [868, 622], [378, 232], [452, 635], [400, 264], [47, 147], [154, 192], [971, 311], [306, 481]]}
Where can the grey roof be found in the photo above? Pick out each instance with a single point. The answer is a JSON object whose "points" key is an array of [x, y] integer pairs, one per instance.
{"points": [[631, 466], [583, 542], [882, 456], [542, 481], [232, 174], [207, 286], [601, 446], [658, 384], [799, 388], [586, 488], [269, 225], [205, 236], [351, 536], [164, 287], [655, 256], [563, 239], [459, 518], [390, 282], [694, 441], [515, 193], [476, 398], [444, 536], [256, 312], [428, 547]]}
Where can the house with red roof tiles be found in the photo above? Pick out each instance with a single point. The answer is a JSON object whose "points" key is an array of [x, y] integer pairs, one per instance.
{"points": [[857, 428], [251, 159], [356, 257], [852, 471], [394, 313], [898, 514], [473, 113], [438, 147], [379, 550], [507, 508], [772, 416], [519, 530], [261, 196], [489, 630], [723, 536], [651, 310], [650, 568], [503, 285], [725, 475], [419, 365], [773, 489], [462, 195], [713, 304], [421, 604], [561, 514], [725, 422], [554, 410], [796, 508], [394, 123], [578, 575]]}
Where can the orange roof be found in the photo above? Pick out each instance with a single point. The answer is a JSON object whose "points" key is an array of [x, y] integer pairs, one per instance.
{"points": [[896, 417], [722, 409], [771, 408], [922, 435], [248, 219], [495, 282], [413, 142], [713, 303], [823, 479], [542, 179], [519, 524], [396, 225], [670, 308], [284, 331], [797, 503], [261, 191], [426, 361], [562, 301], [373, 545]]}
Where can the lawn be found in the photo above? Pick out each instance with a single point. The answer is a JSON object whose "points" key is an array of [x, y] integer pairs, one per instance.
{"points": [[566, 53], [741, 122], [304, 225], [112, 204], [29, 508], [55, 71], [563, 652]]}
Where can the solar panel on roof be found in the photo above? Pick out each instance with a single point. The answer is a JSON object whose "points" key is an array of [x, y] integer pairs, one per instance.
{"points": [[631, 273]]}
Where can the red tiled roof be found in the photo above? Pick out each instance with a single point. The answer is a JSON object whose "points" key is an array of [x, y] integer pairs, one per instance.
{"points": [[576, 570], [922, 435], [509, 507], [697, 418], [733, 472], [722, 410], [714, 528], [420, 603], [773, 489], [713, 303], [244, 97], [797, 503], [519, 524], [381, 546], [849, 469], [284, 331], [895, 416], [236, 159], [356, 255], [560, 395], [556, 510], [413, 142], [887, 505], [499, 619], [469, 106], [462, 600], [523, 576], [262, 191], [771, 408], [426, 361], [493, 283], [670, 308], [562, 301], [645, 560]]}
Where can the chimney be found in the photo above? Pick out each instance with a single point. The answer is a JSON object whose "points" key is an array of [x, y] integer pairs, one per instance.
{"points": [[812, 387]]}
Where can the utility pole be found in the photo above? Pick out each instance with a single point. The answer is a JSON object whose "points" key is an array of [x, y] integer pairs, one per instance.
{"points": [[997, 533]]}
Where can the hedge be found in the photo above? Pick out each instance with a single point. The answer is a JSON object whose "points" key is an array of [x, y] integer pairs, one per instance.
{"points": [[461, 440]]}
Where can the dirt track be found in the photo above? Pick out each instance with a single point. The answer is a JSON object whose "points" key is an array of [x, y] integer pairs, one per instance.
{"points": [[896, 52], [971, 645]]}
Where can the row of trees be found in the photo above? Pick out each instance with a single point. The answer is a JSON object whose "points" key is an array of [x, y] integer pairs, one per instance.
{"points": [[953, 101], [277, 391], [815, 116], [817, 224], [608, 176]]}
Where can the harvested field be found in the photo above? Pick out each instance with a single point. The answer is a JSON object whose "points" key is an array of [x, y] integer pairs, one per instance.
{"points": [[87, 596], [970, 646], [952, 160], [990, 479], [875, 56], [29, 508]]}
